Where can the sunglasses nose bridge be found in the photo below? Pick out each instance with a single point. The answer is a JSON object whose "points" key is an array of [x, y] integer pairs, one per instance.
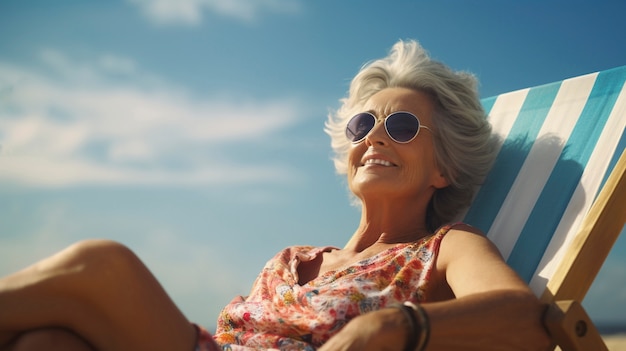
{"points": [[378, 131]]}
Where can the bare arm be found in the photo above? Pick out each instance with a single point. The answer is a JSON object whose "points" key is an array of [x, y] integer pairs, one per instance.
{"points": [[493, 308]]}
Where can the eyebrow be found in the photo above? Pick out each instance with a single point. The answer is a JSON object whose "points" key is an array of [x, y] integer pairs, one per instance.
{"points": [[378, 115]]}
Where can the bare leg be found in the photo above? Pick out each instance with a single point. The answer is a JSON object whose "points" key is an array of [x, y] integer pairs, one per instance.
{"points": [[100, 291], [53, 339]]}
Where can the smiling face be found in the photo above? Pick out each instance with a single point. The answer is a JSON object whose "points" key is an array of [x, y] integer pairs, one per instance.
{"points": [[380, 168]]}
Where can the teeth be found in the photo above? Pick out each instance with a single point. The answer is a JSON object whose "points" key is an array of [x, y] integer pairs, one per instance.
{"points": [[378, 162]]}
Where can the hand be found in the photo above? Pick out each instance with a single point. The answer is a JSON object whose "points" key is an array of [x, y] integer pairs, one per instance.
{"points": [[385, 330]]}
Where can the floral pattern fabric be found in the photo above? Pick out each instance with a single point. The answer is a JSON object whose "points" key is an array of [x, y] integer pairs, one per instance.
{"points": [[280, 314]]}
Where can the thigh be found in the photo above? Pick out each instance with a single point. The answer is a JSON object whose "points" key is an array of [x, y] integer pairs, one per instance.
{"points": [[101, 291]]}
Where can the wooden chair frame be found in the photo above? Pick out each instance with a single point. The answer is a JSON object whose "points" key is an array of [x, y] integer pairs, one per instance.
{"points": [[566, 320]]}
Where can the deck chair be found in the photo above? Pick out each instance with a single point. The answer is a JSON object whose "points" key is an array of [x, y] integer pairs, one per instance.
{"points": [[555, 200]]}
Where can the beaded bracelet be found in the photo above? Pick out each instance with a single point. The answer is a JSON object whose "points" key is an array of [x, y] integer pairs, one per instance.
{"points": [[415, 342]]}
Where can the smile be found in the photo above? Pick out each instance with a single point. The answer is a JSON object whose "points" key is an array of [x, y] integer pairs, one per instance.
{"points": [[375, 161]]}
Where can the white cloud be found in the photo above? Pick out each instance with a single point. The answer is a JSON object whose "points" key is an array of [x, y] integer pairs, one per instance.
{"points": [[190, 12], [78, 123]]}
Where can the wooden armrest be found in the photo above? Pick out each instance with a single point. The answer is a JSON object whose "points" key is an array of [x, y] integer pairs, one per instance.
{"points": [[571, 329]]}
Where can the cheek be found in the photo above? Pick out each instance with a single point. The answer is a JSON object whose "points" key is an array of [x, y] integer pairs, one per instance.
{"points": [[351, 171], [355, 155], [354, 158], [421, 168], [415, 177]]}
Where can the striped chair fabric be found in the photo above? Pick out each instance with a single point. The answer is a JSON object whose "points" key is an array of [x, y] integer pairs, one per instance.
{"points": [[559, 143]]}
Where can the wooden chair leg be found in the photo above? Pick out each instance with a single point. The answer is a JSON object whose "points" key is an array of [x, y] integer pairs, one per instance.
{"points": [[571, 328]]}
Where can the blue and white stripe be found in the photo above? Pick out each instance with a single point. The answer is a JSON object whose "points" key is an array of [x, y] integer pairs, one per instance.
{"points": [[559, 143]]}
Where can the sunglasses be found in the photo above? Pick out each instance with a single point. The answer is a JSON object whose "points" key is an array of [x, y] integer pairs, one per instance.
{"points": [[401, 126]]}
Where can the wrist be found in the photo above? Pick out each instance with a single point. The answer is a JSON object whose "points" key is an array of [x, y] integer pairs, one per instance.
{"points": [[417, 324]]}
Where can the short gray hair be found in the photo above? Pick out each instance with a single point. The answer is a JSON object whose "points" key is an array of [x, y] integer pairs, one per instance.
{"points": [[464, 145]]}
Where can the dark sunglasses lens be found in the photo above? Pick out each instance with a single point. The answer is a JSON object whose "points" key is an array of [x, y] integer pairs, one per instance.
{"points": [[402, 127], [359, 126]]}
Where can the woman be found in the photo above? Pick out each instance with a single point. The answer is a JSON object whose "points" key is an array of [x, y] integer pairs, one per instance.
{"points": [[413, 141]]}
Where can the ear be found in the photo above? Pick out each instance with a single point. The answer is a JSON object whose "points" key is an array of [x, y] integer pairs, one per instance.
{"points": [[440, 181]]}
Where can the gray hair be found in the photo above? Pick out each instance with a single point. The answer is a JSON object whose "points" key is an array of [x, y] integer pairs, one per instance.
{"points": [[464, 145]]}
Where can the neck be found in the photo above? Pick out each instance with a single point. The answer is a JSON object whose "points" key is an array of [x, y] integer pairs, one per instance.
{"points": [[389, 223]]}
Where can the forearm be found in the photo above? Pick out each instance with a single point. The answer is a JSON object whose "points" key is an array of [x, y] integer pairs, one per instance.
{"points": [[497, 320], [382, 330]]}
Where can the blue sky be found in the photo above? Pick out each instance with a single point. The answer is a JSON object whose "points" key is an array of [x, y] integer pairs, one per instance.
{"points": [[191, 130]]}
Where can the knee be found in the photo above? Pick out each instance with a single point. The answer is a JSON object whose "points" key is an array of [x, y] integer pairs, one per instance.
{"points": [[101, 259], [99, 251]]}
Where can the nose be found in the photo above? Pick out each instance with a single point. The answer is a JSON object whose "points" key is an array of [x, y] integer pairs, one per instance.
{"points": [[378, 134]]}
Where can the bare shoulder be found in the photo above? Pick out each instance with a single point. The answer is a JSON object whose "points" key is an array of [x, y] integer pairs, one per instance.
{"points": [[472, 263], [465, 240], [466, 228]]}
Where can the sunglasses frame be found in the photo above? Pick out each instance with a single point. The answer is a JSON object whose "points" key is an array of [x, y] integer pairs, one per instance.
{"points": [[386, 119]]}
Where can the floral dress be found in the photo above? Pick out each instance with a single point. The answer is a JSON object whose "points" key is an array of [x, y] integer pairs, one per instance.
{"points": [[280, 314]]}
